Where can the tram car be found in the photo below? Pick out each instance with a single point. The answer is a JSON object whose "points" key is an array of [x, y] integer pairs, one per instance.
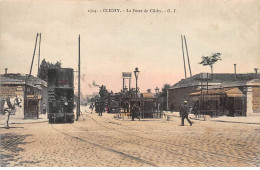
{"points": [[113, 103], [61, 95]]}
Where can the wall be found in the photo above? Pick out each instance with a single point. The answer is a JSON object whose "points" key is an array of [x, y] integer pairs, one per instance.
{"points": [[256, 99], [177, 96]]}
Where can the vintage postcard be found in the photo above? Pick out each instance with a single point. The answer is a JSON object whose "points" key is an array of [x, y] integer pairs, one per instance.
{"points": [[129, 83]]}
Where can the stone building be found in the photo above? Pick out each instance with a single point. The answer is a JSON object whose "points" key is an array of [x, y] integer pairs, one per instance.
{"points": [[32, 101], [221, 90]]}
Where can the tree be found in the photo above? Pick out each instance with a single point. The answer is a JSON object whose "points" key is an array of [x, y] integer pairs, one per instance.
{"points": [[164, 95], [149, 90], [103, 91], [45, 65], [100, 104], [210, 60]]}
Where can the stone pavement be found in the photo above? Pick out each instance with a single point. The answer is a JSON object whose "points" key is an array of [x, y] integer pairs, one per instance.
{"points": [[95, 141]]}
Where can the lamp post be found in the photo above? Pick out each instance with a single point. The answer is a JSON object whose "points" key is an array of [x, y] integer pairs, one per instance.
{"points": [[157, 91], [135, 106], [136, 77], [125, 89], [255, 70]]}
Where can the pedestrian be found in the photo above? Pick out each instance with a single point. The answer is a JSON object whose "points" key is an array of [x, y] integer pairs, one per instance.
{"points": [[91, 107], [184, 112], [195, 111], [135, 112], [44, 108], [101, 107], [132, 112], [119, 113]]}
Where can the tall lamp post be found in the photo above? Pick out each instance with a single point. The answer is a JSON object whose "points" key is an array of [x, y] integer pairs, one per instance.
{"points": [[157, 91], [157, 103], [135, 107], [136, 77]]}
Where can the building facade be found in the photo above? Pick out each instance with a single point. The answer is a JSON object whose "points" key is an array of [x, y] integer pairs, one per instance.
{"points": [[229, 91], [32, 91]]}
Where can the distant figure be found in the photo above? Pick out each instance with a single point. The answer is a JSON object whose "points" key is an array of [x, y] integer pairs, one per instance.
{"points": [[100, 107], [184, 112], [172, 107], [107, 108], [91, 107], [44, 108], [119, 113], [135, 112], [195, 111]]}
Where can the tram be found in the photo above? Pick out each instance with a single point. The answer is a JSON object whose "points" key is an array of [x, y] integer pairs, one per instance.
{"points": [[61, 95]]}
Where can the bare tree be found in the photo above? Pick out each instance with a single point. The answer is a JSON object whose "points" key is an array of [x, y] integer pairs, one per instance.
{"points": [[210, 60]]}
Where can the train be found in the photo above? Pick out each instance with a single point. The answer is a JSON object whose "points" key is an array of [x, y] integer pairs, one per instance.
{"points": [[60, 95]]}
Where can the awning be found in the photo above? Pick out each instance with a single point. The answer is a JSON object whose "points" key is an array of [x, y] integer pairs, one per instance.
{"points": [[230, 92], [235, 92], [148, 95]]}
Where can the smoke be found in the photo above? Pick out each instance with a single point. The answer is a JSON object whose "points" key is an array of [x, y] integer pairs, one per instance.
{"points": [[82, 77], [94, 84]]}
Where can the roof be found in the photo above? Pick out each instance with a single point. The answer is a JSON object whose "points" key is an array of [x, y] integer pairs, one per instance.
{"points": [[218, 78], [20, 79], [6, 80]]}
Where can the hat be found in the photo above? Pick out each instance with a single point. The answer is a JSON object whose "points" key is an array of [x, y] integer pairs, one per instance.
{"points": [[185, 101]]}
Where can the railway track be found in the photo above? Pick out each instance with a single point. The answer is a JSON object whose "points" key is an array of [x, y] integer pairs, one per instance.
{"points": [[181, 147], [104, 148]]}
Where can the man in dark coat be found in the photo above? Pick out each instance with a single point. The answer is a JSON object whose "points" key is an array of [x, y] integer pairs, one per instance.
{"points": [[184, 112], [135, 112]]}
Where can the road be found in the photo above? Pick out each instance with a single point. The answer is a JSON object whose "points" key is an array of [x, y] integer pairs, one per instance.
{"points": [[96, 141]]}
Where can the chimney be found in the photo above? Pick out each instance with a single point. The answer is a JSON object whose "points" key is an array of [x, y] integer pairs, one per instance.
{"points": [[6, 70], [235, 69], [255, 70]]}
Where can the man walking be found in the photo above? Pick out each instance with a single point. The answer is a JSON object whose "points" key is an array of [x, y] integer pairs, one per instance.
{"points": [[184, 112], [135, 112]]}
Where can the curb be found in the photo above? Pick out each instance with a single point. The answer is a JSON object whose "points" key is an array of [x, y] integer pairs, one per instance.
{"points": [[13, 123]]}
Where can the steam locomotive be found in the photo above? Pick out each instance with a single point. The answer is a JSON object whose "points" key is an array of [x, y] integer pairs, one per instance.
{"points": [[61, 95]]}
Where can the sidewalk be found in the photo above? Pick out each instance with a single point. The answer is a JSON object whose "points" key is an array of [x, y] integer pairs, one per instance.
{"points": [[42, 118], [224, 119]]}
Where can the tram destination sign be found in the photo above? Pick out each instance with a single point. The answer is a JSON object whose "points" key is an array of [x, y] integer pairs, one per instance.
{"points": [[126, 74]]}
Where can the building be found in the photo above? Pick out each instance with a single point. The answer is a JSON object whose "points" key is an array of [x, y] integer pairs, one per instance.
{"points": [[33, 100], [219, 94]]}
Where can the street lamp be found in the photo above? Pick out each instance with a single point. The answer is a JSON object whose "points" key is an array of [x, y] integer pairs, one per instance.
{"points": [[157, 90], [136, 77], [255, 70], [125, 89]]}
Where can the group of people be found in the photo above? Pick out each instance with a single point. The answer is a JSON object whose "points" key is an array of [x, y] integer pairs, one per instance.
{"points": [[185, 109]]}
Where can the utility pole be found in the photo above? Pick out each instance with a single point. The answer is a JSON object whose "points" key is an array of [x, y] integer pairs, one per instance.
{"points": [[183, 57], [26, 79], [187, 54], [39, 53], [78, 103], [33, 54], [235, 70]]}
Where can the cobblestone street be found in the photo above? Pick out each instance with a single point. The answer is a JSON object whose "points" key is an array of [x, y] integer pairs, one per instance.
{"points": [[105, 141]]}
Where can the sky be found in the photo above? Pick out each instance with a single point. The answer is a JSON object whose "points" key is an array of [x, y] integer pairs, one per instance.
{"points": [[116, 42]]}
